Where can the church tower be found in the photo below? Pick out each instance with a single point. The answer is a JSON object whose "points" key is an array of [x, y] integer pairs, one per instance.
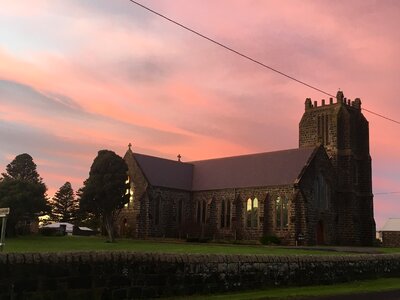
{"points": [[343, 130]]}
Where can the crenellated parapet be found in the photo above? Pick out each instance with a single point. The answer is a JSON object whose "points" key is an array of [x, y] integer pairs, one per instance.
{"points": [[339, 100]]}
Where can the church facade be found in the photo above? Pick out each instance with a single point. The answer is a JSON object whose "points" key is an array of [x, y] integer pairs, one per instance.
{"points": [[319, 193]]}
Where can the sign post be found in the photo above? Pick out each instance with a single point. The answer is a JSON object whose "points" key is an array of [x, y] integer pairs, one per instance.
{"points": [[3, 215]]}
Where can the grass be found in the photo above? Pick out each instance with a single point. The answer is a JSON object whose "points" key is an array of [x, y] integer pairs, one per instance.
{"points": [[389, 250], [78, 243], [357, 287]]}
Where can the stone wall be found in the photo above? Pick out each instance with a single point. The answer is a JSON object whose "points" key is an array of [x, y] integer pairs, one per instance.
{"points": [[391, 238], [128, 275], [266, 215]]}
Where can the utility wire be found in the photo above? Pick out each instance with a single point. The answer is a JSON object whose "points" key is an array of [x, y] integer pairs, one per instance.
{"points": [[382, 116], [248, 57], [232, 50], [257, 62], [386, 193]]}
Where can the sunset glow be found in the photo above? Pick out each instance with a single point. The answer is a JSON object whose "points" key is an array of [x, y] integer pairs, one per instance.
{"points": [[80, 76]]}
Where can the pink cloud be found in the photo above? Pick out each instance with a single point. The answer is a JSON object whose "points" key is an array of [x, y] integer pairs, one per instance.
{"points": [[114, 74]]}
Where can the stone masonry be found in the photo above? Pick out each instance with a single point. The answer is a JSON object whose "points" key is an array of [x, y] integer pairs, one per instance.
{"points": [[330, 202], [343, 131], [129, 275]]}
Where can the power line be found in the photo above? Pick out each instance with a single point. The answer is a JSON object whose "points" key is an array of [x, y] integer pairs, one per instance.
{"points": [[259, 63], [379, 115], [248, 57], [232, 50], [386, 193]]}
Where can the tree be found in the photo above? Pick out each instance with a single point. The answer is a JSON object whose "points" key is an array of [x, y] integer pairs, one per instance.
{"points": [[103, 192], [22, 189], [85, 216], [22, 168], [64, 204]]}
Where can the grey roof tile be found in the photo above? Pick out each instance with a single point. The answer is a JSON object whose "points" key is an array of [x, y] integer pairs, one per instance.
{"points": [[165, 172], [253, 170]]}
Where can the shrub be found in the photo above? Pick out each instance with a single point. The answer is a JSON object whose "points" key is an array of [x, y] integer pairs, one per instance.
{"points": [[197, 240], [377, 243], [46, 231], [270, 240]]}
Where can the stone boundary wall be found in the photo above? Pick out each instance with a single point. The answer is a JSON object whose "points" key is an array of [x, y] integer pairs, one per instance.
{"points": [[130, 275]]}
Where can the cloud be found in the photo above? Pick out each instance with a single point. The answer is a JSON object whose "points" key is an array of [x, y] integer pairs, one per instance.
{"points": [[79, 76]]}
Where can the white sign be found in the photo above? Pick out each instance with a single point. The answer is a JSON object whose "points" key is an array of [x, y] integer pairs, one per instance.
{"points": [[4, 211]]}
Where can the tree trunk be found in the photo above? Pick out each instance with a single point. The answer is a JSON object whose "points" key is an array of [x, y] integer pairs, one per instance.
{"points": [[109, 225]]}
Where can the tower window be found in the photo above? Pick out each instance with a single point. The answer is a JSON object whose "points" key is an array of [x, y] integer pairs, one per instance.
{"points": [[355, 173], [323, 129]]}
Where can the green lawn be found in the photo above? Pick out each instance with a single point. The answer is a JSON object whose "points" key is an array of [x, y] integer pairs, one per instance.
{"points": [[77, 243], [368, 286], [389, 250]]}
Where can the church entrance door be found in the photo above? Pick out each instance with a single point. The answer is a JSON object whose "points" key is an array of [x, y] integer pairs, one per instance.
{"points": [[320, 233]]}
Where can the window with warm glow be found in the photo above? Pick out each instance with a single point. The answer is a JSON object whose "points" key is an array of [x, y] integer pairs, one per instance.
{"points": [[252, 212], [131, 191]]}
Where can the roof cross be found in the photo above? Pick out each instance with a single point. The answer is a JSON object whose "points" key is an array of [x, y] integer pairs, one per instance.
{"points": [[179, 157], [129, 146]]}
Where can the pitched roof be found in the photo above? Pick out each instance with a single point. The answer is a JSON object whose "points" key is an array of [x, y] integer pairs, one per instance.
{"points": [[164, 172], [392, 225], [253, 170]]}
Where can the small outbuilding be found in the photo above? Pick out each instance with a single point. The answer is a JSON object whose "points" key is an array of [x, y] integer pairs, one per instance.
{"points": [[70, 229], [390, 233]]}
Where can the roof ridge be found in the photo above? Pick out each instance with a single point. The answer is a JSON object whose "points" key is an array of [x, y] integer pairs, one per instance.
{"points": [[161, 158], [252, 154]]}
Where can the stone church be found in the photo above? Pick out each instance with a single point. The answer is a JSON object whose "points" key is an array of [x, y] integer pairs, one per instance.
{"points": [[319, 193]]}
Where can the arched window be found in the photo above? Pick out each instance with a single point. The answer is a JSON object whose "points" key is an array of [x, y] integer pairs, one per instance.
{"points": [[228, 214], [201, 211], [180, 209], [222, 213], [281, 213], [157, 205], [131, 191], [198, 212], [322, 193], [323, 129], [252, 212], [225, 213]]}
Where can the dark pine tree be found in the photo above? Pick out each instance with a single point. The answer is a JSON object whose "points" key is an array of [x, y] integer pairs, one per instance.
{"points": [[103, 192], [64, 205], [23, 191], [22, 168]]}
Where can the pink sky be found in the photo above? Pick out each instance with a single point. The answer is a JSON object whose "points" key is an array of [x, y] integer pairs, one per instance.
{"points": [[80, 76]]}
